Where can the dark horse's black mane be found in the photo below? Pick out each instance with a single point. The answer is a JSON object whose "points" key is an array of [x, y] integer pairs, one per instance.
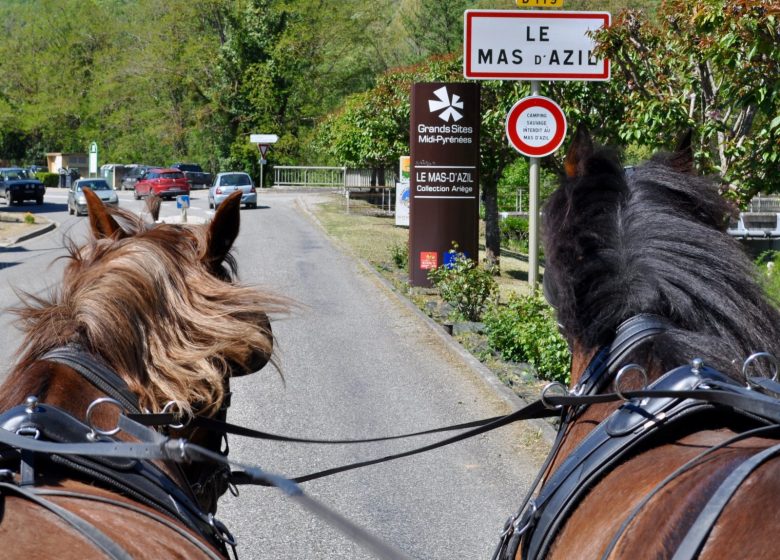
{"points": [[654, 242]]}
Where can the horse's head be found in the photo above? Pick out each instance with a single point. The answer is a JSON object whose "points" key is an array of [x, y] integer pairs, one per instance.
{"points": [[160, 304], [651, 241]]}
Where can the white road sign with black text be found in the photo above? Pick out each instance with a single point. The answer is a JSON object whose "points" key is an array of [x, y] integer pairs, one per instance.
{"points": [[533, 45]]}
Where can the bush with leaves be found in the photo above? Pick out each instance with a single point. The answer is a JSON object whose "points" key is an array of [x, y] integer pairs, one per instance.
{"points": [[514, 233], [525, 330], [400, 255], [465, 285]]}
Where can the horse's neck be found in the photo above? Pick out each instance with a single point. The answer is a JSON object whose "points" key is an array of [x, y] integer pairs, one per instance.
{"points": [[52, 383]]}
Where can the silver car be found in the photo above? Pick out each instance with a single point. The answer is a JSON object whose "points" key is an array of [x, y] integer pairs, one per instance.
{"points": [[227, 183], [77, 204]]}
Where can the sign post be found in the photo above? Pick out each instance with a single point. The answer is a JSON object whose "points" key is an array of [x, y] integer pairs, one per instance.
{"points": [[444, 175], [93, 158], [263, 142], [183, 202], [534, 45]]}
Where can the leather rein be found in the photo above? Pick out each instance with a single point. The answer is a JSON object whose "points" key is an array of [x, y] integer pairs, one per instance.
{"points": [[689, 384]]}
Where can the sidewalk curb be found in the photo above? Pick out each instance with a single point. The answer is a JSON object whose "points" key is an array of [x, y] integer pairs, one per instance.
{"points": [[503, 392], [46, 228]]}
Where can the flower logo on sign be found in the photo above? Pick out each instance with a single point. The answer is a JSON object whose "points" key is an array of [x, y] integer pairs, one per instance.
{"points": [[450, 106]]}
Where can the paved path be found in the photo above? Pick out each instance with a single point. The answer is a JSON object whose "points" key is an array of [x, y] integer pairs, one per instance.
{"points": [[357, 362]]}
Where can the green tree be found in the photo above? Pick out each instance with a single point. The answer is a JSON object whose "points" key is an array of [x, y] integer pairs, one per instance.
{"points": [[713, 66]]}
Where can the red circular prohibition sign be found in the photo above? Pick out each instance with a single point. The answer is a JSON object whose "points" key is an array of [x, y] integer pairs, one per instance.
{"points": [[529, 103]]}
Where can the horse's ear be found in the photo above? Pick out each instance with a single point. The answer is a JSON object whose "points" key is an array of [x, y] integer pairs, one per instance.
{"points": [[102, 223], [153, 204], [223, 229], [682, 158], [581, 149]]}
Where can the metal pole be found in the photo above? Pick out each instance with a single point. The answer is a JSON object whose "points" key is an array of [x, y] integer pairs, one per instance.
{"points": [[533, 213], [261, 173]]}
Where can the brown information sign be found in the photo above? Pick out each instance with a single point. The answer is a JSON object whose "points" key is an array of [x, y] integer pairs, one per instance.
{"points": [[444, 192]]}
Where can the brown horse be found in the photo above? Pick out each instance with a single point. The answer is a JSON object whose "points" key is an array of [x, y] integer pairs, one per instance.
{"points": [[147, 318], [645, 281]]}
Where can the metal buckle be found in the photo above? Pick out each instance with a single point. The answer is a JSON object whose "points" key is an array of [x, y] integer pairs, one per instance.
{"points": [[527, 519], [221, 532], [93, 435], [29, 431]]}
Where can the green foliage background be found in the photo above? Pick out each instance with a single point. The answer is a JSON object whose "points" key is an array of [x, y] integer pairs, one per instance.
{"points": [[154, 81]]}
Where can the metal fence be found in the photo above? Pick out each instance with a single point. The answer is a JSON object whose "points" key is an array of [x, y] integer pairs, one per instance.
{"points": [[298, 176], [334, 177], [764, 204]]}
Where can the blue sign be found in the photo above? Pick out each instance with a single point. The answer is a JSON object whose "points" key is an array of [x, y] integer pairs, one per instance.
{"points": [[451, 256], [183, 201]]}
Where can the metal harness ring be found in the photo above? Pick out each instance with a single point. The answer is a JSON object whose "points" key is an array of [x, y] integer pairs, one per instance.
{"points": [[91, 408], [753, 357], [169, 408], [622, 372], [554, 384]]}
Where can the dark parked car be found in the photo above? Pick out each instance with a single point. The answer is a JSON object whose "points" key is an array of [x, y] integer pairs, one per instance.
{"points": [[134, 173], [18, 185], [164, 182], [194, 173]]}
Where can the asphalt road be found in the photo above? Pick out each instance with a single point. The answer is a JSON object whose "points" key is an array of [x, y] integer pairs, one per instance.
{"points": [[355, 362]]}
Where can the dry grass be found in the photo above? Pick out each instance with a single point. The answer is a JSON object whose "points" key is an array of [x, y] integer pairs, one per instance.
{"points": [[371, 235]]}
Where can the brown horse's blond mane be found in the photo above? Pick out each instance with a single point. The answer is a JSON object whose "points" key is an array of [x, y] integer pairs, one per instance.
{"points": [[150, 305]]}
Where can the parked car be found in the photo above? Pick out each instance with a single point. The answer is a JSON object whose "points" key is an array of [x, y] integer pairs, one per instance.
{"points": [[164, 182], [18, 185], [135, 172], [227, 183], [77, 203]]}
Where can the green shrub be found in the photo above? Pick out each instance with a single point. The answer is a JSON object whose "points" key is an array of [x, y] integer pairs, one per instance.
{"points": [[400, 254], [514, 233], [768, 264], [49, 180], [525, 330], [29, 218], [465, 285]]}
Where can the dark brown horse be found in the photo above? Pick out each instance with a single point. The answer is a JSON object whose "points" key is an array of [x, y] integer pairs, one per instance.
{"points": [[646, 281], [152, 317]]}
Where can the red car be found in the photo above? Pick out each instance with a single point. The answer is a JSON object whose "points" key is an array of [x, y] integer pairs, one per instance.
{"points": [[164, 182]]}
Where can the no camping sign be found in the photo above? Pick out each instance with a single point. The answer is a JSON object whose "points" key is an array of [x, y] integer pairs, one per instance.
{"points": [[536, 126]]}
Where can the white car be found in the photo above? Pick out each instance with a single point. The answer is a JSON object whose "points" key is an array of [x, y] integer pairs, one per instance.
{"points": [[77, 203], [227, 183]]}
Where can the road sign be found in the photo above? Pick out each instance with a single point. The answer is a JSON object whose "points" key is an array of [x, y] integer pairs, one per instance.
{"points": [[263, 149], [263, 138], [533, 45], [536, 126], [540, 3], [93, 158]]}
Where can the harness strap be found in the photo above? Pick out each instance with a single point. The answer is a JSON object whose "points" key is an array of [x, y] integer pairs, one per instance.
{"points": [[94, 371], [97, 537], [220, 426], [629, 335], [694, 539]]}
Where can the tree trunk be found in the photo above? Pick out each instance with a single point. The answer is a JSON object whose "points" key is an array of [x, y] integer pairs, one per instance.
{"points": [[492, 233]]}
